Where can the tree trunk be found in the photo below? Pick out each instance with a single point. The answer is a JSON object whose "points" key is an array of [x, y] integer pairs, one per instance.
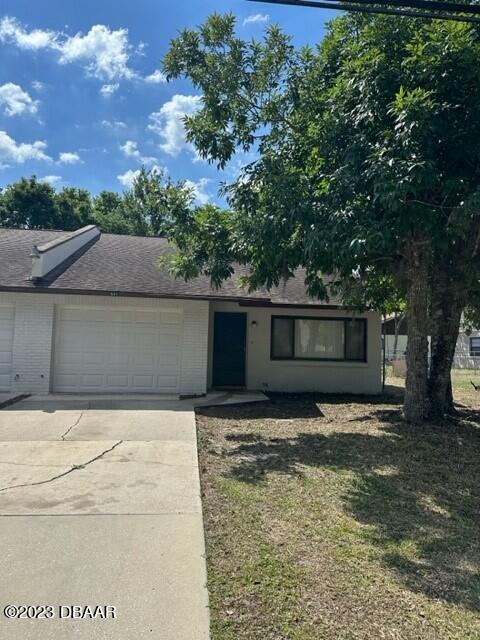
{"points": [[448, 302], [449, 404], [415, 407]]}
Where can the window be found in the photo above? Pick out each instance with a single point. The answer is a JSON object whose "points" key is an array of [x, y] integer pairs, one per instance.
{"points": [[282, 338], [318, 339], [475, 347]]}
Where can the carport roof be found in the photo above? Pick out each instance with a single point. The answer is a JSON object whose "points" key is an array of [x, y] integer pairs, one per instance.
{"points": [[126, 265]]}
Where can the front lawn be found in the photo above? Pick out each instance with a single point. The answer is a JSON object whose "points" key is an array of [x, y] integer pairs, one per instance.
{"points": [[330, 518]]}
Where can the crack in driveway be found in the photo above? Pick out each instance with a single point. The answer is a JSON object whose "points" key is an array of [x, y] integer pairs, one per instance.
{"points": [[75, 467], [65, 434]]}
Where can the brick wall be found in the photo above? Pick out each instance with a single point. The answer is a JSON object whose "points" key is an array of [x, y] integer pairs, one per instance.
{"points": [[32, 346]]}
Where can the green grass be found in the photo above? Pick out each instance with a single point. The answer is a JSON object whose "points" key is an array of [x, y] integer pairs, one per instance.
{"points": [[330, 518]]}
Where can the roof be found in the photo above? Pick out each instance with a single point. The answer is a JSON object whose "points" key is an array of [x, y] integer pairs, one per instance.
{"points": [[126, 265]]}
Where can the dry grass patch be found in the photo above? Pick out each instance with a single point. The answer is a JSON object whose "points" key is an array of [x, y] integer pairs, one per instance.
{"points": [[330, 518]]}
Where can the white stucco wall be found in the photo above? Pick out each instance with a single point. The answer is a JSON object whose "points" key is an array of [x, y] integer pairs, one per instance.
{"points": [[34, 329], [281, 375]]}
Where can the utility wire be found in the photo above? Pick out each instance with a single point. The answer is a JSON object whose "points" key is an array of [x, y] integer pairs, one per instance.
{"points": [[430, 9]]}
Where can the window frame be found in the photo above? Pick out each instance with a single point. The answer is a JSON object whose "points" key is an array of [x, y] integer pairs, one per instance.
{"points": [[344, 320], [474, 351]]}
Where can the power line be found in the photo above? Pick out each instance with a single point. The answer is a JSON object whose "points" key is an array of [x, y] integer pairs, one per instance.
{"points": [[431, 9]]}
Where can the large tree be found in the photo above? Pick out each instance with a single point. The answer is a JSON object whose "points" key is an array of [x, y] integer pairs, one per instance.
{"points": [[74, 208], [368, 169], [153, 200], [150, 204], [28, 204]]}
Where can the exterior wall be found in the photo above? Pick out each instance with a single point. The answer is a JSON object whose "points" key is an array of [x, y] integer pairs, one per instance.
{"points": [[32, 345], [282, 375], [34, 329], [462, 358], [195, 348]]}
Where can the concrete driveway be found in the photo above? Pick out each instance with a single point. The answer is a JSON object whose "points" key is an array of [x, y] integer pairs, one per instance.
{"points": [[100, 505]]}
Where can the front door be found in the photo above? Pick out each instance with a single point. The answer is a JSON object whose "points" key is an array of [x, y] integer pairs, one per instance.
{"points": [[229, 340]]}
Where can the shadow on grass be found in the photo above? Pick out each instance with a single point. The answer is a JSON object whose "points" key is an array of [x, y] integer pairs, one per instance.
{"points": [[416, 487]]}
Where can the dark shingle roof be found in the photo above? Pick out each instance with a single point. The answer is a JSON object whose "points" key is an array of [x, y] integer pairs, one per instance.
{"points": [[126, 265]]}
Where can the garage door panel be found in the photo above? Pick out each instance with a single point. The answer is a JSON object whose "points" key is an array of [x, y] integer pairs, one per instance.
{"points": [[148, 340], [92, 380], [116, 380], [68, 380], [170, 382], [70, 359], [168, 340], [168, 317], [94, 358], [144, 381], [122, 315], [119, 358], [146, 317], [144, 359], [117, 350]]}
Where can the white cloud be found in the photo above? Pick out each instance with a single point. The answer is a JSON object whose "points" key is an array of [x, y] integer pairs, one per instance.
{"points": [[67, 157], [130, 149], [108, 90], [128, 177], [199, 190], [12, 31], [257, 18], [104, 53], [52, 180], [16, 101], [168, 123], [156, 77], [38, 85], [18, 153], [113, 124]]}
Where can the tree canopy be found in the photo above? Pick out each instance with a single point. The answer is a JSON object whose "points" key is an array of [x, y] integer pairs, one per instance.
{"points": [[368, 165], [151, 203]]}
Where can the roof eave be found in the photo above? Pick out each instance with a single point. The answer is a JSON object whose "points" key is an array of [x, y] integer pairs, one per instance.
{"points": [[243, 301]]}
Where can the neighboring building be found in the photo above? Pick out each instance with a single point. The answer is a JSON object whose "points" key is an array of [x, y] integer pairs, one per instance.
{"points": [[467, 350], [90, 312]]}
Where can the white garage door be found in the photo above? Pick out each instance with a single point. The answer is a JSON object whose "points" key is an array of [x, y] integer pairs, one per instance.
{"points": [[115, 350], [7, 314]]}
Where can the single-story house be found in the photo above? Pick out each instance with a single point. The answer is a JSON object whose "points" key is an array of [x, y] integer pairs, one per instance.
{"points": [[87, 312], [467, 349]]}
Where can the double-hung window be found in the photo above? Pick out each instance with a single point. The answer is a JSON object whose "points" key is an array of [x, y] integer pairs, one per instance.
{"points": [[306, 338], [475, 347]]}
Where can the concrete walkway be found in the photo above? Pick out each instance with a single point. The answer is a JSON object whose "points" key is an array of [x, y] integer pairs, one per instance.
{"points": [[100, 505]]}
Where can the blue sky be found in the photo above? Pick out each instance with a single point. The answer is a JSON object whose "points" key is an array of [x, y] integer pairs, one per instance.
{"points": [[82, 99]]}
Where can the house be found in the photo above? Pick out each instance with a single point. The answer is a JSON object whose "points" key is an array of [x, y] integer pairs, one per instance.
{"points": [[87, 312], [467, 349]]}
